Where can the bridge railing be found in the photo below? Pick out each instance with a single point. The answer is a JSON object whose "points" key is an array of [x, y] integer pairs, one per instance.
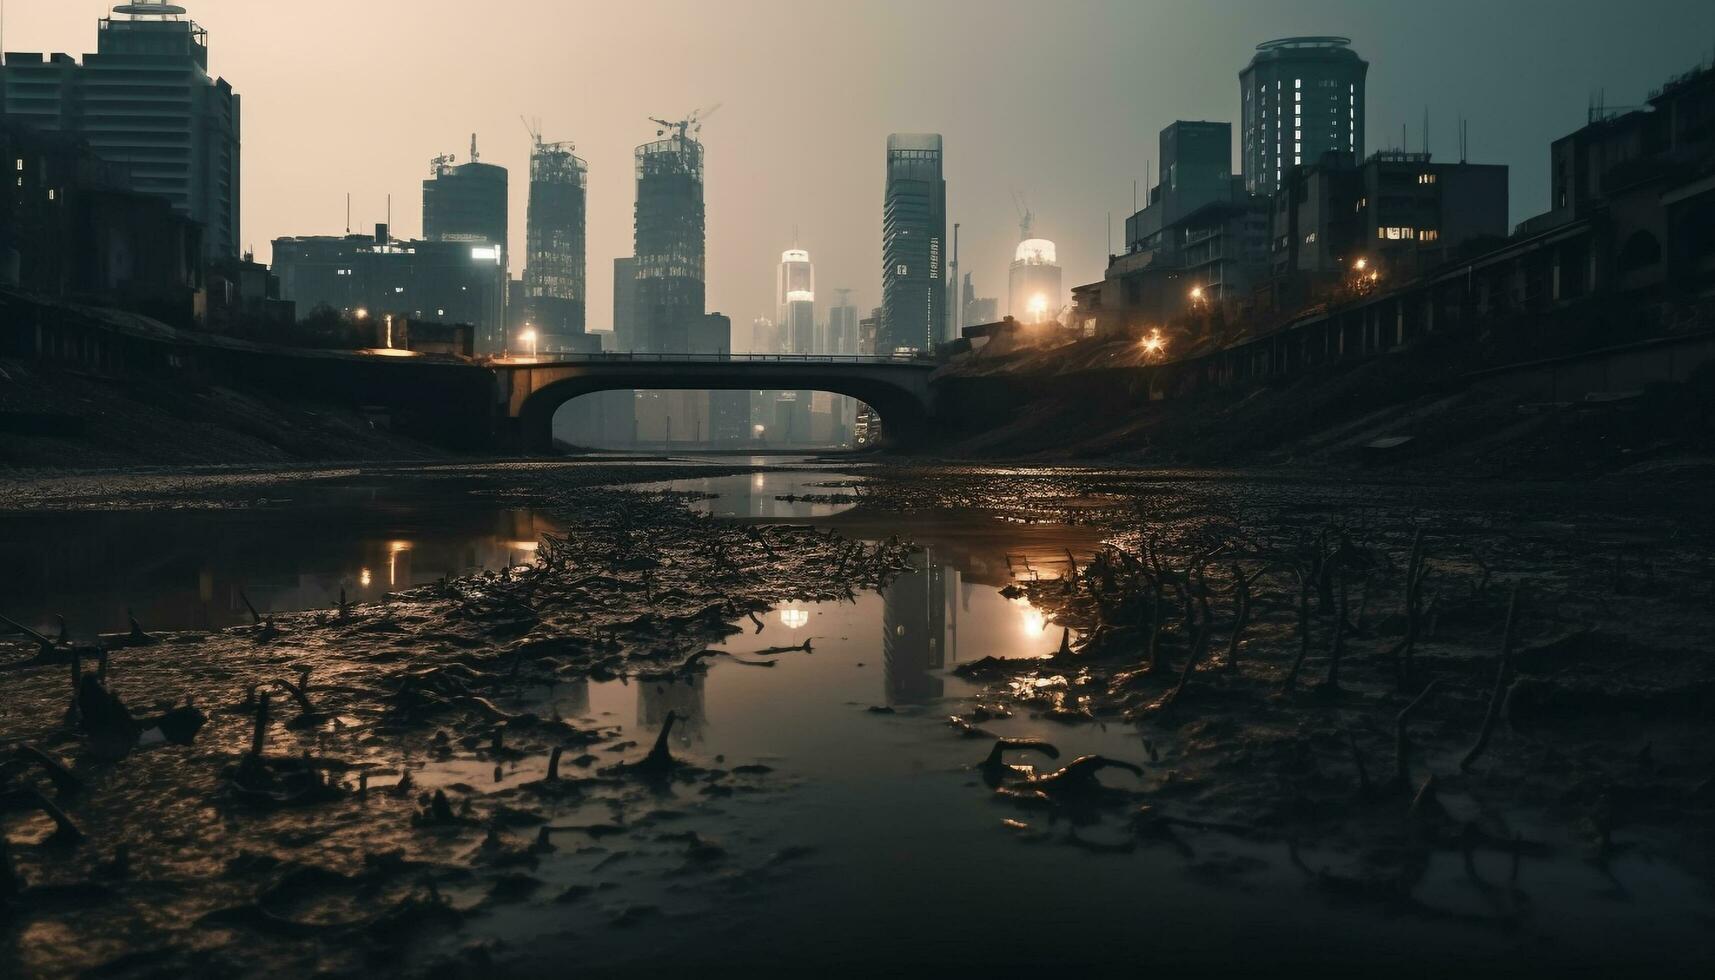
{"points": [[551, 357]]}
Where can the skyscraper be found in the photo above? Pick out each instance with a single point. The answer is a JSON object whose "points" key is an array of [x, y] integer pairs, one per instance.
{"points": [[1301, 97], [669, 241], [466, 202], [842, 328], [144, 100], [913, 233], [625, 304], [795, 301], [554, 293]]}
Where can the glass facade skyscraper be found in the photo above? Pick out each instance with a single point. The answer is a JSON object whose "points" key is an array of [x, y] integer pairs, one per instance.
{"points": [[913, 240]]}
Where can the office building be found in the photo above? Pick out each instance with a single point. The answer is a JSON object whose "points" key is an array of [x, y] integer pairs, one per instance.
{"points": [[1196, 170], [144, 101], [554, 291], [669, 241], [376, 276], [914, 230], [465, 202], [1300, 97]]}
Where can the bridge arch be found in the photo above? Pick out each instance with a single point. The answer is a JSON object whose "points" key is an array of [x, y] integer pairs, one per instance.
{"points": [[897, 390]]}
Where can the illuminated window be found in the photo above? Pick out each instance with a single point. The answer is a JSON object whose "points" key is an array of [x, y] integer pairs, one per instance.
{"points": [[20, 164], [1428, 235], [1426, 178], [51, 194], [899, 270]]}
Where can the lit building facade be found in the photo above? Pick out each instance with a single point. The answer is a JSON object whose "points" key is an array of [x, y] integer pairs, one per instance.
{"points": [[795, 302], [913, 239], [144, 101], [1300, 97], [1034, 282]]}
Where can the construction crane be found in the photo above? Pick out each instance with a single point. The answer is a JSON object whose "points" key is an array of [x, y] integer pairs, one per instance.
{"points": [[1025, 217], [689, 125]]}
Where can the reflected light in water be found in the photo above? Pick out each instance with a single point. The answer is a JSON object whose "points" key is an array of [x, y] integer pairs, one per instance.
{"points": [[393, 549], [1030, 619], [363, 578], [795, 619]]}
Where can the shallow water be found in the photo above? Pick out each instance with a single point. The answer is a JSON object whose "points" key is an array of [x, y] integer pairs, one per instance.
{"points": [[869, 842]]}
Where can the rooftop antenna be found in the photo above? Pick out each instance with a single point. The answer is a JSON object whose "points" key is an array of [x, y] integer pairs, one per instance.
{"points": [[348, 212], [474, 157], [1426, 130]]}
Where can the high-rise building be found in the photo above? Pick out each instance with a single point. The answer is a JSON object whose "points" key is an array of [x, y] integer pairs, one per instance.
{"points": [[625, 337], [795, 301], [842, 335], [144, 100], [1301, 97], [465, 202], [554, 293], [913, 234], [1196, 171], [669, 241], [1033, 282]]}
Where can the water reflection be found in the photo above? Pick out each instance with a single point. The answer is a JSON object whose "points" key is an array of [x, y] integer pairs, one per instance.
{"points": [[914, 634], [194, 569], [683, 697], [758, 494]]}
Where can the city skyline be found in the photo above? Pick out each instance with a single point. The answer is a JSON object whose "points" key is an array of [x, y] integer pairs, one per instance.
{"points": [[1114, 88]]}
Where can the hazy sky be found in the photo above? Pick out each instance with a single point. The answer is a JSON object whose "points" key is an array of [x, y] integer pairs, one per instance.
{"points": [[1058, 99]]}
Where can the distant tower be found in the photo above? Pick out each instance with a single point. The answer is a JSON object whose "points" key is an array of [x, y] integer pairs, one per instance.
{"points": [[842, 326], [669, 238], [913, 237], [1033, 281], [144, 100], [795, 302], [554, 290], [1301, 97]]}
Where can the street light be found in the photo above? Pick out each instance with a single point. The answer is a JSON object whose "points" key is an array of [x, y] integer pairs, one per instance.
{"points": [[529, 337]]}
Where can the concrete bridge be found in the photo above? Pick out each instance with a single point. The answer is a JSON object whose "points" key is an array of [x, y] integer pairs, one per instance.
{"points": [[532, 389]]}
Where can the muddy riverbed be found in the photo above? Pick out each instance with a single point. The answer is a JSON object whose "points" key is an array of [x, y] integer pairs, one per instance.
{"points": [[775, 715]]}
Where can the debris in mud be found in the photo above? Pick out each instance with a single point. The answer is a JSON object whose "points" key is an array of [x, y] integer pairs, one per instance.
{"points": [[430, 683]]}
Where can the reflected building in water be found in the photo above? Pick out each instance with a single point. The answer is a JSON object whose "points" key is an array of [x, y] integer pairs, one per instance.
{"points": [[919, 630], [682, 696]]}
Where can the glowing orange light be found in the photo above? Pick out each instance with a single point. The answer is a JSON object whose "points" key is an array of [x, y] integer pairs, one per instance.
{"points": [[1154, 343]]}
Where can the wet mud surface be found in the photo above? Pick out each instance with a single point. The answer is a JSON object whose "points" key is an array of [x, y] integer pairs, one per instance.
{"points": [[739, 719]]}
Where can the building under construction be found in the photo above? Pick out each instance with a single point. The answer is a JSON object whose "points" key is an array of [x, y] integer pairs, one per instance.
{"points": [[554, 294], [669, 239]]}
